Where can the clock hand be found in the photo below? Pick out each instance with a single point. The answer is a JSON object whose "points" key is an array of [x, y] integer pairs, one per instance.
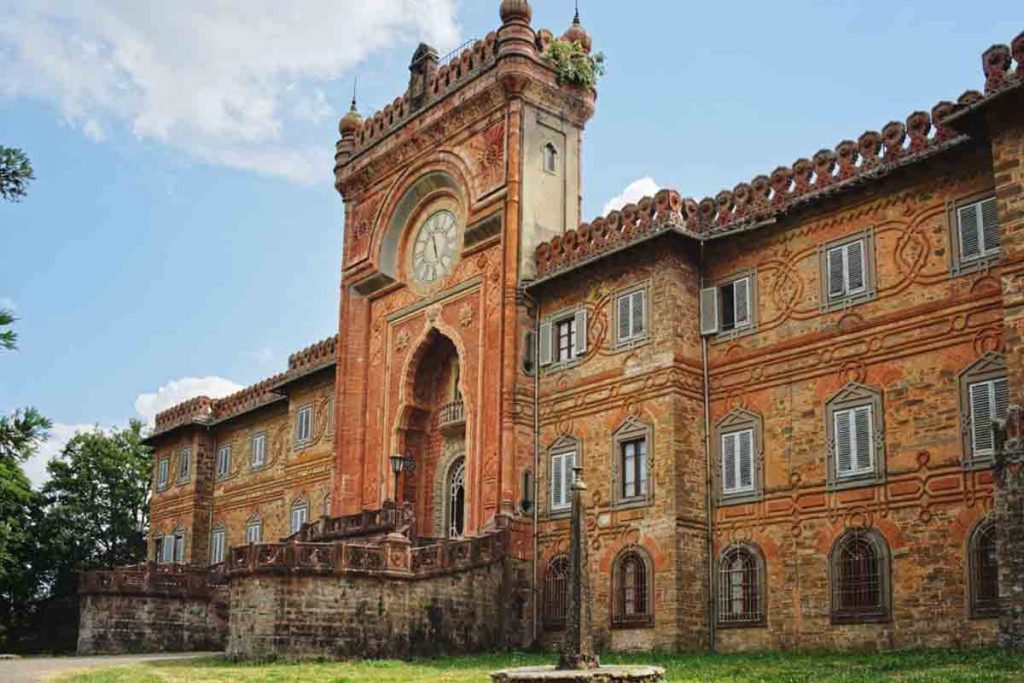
{"points": [[433, 240]]}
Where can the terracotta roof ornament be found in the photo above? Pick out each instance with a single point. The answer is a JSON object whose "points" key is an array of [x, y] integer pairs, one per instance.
{"points": [[577, 34], [512, 10]]}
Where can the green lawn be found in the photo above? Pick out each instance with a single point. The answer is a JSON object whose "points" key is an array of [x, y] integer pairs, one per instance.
{"points": [[974, 665]]}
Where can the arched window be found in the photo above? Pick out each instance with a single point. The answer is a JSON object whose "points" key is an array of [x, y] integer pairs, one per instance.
{"points": [[860, 577], [556, 592], [550, 158], [741, 587], [254, 529], [218, 544], [631, 588], [983, 560], [457, 498], [299, 515]]}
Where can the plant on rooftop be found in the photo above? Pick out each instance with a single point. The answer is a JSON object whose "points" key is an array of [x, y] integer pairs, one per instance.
{"points": [[573, 64]]}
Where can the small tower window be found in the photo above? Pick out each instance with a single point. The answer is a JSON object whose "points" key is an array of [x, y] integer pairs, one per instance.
{"points": [[550, 158]]}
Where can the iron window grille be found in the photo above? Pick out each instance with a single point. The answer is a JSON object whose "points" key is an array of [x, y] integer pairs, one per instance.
{"points": [[983, 560], [556, 593], [632, 581], [741, 588], [860, 578]]}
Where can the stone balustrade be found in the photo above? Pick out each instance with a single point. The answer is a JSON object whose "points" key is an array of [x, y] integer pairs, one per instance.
{"points": [[149, 580], [451, 416]]}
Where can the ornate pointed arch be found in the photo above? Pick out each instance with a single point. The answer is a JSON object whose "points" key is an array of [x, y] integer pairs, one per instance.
{"points": [[632, 463], [739, 435], [858, 407]]}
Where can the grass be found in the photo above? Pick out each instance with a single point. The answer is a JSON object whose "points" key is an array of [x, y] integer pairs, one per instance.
{"points": [[914, 666]]}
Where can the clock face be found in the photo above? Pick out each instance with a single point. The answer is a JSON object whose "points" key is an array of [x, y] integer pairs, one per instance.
{"points": [[433, 254]]}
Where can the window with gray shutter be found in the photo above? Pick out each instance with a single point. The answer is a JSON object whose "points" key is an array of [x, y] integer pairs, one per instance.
{"points": [[988, 401], [854, 423], [163, 469], [738, 462], [709, 310], [184, 463], [167, 549], [224, 460], [544, 345], [218, 544], [561, 479], [580, 336], [978, 225], [735, 305], [847, 270], [631, 323], [853, 442]]}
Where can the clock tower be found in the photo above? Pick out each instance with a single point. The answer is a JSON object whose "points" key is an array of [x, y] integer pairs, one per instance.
{"points": [[447, 192]]}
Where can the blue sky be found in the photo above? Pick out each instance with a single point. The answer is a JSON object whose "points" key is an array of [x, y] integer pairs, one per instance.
{"points": [[183, 234]]}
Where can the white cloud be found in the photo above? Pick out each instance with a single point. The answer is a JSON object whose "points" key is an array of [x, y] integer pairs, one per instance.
{"points": [[178, 390], [635, 191], [229, 82], [60, 434]]}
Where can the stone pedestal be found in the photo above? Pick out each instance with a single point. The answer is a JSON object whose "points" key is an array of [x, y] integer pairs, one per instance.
{"points": [[602, 674]]}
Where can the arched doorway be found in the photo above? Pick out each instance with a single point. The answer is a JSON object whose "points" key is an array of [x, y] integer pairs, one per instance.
{"points": [[455, 517]]}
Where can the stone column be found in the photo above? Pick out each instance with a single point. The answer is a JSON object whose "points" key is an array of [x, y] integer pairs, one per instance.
{"points": [[578, 648]]}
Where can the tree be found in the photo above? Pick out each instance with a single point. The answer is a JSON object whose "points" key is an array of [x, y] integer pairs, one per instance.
{"points": [[97, 504], [8, 338], [15, 173], [20, 437]]}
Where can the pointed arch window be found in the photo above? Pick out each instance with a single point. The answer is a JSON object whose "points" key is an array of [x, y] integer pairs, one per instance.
{"points": [[632, 581], [564, 454], [854, 425], [254, 530], [556, 592], [741, 587], [457, 499], [859, 574], [983, 561], [984, 402], [299, 515]]}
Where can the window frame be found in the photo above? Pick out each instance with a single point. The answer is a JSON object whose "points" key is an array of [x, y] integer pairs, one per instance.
{"points": [[632, 338], [562, 448], [958, 264], [759, 616], [254, 522], [869, 289], [551, 619], [991, 608], [990, 366], [221, 532], [163, 472], [880, 613], [166, 549], [549, 148], [262, 435], [298, 506], [184, 457], [179, 545], [548, 359], [296, 425], [750, 275], [632, 430], [736, 421], [618, 619], [851, 397], [223, 473]]}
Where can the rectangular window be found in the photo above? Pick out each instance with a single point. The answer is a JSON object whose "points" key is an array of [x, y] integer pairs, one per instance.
{"points": [[633, 454], [163, 472], [218, 543], [304, 424], [259, 450], [978, 229], [561, 479], [167, 549], [224, 460], [854, 442], [847, 275], [738, 462], [565, 339], [253, 532], [989, 402], [179, 547], [184, 463], [300, 514], [631, 314], [734, 302]]}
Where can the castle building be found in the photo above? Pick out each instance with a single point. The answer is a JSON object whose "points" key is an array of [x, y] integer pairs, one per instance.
{"points": [[793, 403]]}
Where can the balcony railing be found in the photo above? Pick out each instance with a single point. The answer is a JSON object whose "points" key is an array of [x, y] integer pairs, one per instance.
{"points": [[452, 416], [366, 523], [150, 579]]}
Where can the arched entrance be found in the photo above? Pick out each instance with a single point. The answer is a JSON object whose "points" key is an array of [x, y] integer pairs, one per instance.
{"points": [[432, 433]]}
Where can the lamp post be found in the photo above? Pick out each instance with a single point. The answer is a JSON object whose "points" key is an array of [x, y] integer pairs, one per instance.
{"points": [[397, 463]]}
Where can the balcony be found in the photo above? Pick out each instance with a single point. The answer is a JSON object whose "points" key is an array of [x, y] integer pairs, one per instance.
{"points": [[451, 418]]}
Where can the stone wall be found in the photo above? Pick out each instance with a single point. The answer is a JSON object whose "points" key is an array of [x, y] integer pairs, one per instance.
{"points": [[116, 623], [295, 616]]}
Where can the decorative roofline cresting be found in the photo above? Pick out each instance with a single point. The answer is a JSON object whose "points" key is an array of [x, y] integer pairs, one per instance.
{"points": [[203, 410], [767, 197]]}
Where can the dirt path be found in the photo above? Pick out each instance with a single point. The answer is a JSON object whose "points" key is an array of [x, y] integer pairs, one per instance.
{"points": [[35, 669]]}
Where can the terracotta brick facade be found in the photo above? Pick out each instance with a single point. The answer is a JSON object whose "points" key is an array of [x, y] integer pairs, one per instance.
{"points": [[540, 337]]}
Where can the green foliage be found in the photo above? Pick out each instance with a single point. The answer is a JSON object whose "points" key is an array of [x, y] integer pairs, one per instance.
{"points": [[15, 173], [8, 338], [573, 64], [97, 501], [920, 666]]}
